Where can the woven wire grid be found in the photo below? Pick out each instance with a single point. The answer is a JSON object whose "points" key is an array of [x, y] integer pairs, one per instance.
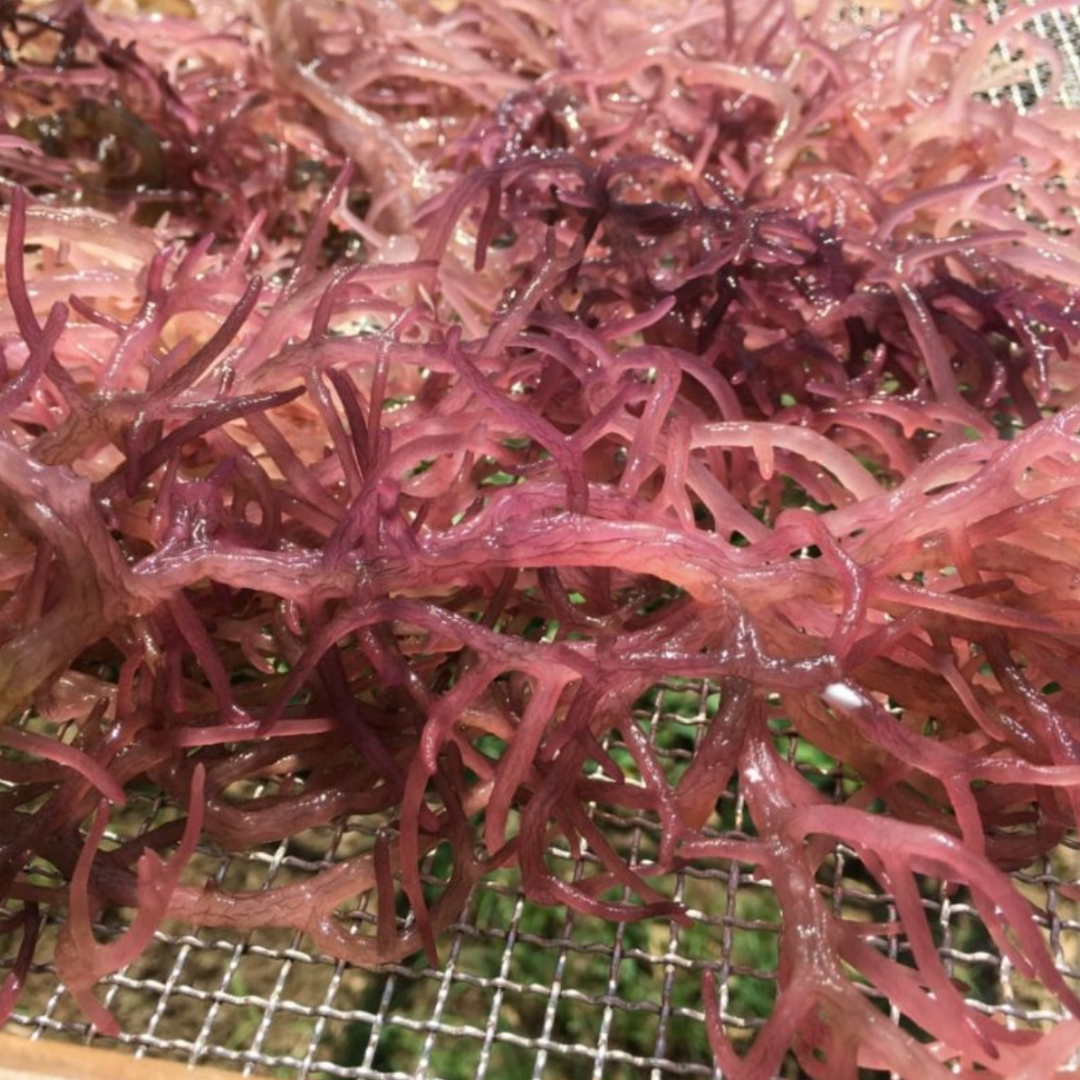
{"points": [[531, 993], [524, 991]]}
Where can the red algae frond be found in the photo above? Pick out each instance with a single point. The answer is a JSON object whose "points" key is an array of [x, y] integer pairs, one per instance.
{"points": [[391, 395]]}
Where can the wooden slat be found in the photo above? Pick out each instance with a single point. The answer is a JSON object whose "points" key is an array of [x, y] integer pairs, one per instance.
{"points": [[42, 1059]]}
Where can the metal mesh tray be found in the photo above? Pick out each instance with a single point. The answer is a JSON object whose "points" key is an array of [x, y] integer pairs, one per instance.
{"points": [[530, 992], [526, 991]]}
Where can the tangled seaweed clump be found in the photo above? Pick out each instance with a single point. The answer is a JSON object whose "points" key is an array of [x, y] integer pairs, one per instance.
{"points": [[393, 394]]}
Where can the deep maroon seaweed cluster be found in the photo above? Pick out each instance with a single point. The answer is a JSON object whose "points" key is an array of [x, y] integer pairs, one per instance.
{"points": [[628, 344]]}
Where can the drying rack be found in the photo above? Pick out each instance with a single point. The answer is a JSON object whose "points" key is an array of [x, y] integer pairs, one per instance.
{"points": [[522, 993]]}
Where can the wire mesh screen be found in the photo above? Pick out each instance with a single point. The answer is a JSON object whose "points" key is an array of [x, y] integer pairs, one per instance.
{"points": [[532, 992], [525, 991]]}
